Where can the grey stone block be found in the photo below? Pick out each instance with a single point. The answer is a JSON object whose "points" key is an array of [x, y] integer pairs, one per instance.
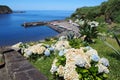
{"points": [[19, 68]]}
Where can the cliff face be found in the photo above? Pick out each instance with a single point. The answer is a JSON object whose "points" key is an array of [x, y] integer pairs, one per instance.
{"points": [[5, 10]]}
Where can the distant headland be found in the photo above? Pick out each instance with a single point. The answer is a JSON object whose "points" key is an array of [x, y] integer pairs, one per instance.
{"points": [[5, 9]]}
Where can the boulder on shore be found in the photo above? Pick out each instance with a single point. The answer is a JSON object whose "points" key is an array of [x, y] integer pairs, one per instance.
{"points": [[5, 9]]}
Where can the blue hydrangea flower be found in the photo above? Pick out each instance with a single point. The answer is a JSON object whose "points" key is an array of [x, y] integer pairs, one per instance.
{"points": [[51, 49], [61, 53], [95, 57], [47, 52]]}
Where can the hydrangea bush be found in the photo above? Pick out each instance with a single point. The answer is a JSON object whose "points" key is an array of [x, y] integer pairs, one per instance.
{"points": [[80, 64], [40, 49]]}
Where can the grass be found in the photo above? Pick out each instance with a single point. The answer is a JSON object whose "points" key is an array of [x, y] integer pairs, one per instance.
{"points": [[44, 64]]}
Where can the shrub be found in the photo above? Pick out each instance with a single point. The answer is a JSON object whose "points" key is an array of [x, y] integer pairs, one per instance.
{"points": [[75, 43], [89, 31]]}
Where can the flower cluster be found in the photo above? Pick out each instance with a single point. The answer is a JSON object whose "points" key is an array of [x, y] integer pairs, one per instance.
{"points": [[42, 49], [60, 45], [80, 64], [93, 24], [16, 46], [35, 49]]}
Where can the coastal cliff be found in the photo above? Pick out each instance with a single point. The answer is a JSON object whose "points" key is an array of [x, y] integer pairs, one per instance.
{"points": [[5, 9], [108, 11]]}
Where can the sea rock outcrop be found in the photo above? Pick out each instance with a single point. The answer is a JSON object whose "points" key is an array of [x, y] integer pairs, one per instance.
{"points": [[5, 9]]}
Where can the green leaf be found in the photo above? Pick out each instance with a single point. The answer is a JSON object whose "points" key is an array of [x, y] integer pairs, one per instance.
{"points": [[93, 69], [105, 75], [80, 76], [97, 78]]}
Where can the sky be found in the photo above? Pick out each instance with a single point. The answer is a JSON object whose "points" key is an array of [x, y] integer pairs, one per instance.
{"points": [[49, 4]]}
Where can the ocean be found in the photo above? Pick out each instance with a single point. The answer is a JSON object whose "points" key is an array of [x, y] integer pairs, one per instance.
{"points": [[12, 32]]}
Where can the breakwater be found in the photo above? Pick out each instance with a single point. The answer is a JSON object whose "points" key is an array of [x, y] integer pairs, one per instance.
{"points": [[29, 24], [55, 27], [61, 26]]}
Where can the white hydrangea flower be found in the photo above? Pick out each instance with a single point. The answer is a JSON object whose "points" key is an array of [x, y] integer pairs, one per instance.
{"points": [[102, 68], [27, 53], [16, 46], [37, 49], [91, 52], [54, 67], [79, 57], [60, 71], [22, 50], [79, 61], [93, 24], [47, 52], [60, 45], [70, 72], [104, 61]]}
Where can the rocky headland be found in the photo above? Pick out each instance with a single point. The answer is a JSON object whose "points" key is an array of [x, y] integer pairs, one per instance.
{"points": [[5, 9]]}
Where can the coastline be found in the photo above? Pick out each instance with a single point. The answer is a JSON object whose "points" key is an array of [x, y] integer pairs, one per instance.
{"points": [[58, 25], [61, 26]]}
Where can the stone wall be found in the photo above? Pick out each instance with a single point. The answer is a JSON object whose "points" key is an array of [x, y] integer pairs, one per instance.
{"points": [[18, 68]]}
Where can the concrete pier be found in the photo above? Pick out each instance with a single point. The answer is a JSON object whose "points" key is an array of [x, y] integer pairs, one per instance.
{"points": [[30, 24]]}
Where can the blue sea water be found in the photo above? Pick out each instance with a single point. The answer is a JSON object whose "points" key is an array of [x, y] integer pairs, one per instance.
{"points": [[12, 32]]}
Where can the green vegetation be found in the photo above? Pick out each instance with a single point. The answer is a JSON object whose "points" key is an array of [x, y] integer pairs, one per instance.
{"points": [[44, 65], [86, 13], [91, 74], [89, 32], [107, 11], [75, 43], [61, 60]]}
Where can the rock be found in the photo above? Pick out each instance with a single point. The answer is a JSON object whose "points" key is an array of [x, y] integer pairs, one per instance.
{"points": [[5, 9]]}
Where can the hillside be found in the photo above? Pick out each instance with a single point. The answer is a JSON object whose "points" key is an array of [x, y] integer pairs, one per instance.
{"points": [[5, 9], [108, 11]]}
